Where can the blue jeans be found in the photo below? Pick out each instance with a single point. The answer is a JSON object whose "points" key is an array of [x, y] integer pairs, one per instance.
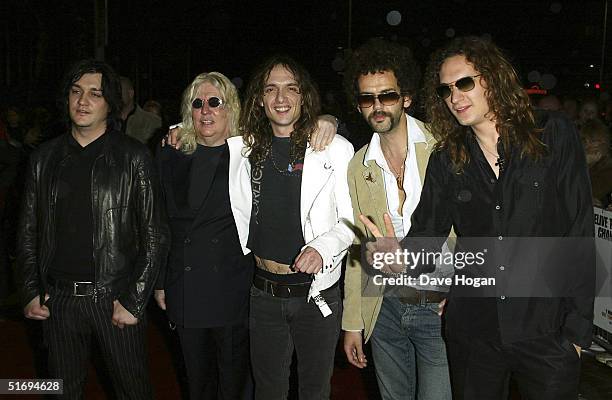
{"points": [[409, 352], [277, 327]]}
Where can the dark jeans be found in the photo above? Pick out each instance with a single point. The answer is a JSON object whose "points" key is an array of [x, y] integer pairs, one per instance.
{"points": [[545, 368], [216, 360], [409, 352], [68, 333], [279, 326]]}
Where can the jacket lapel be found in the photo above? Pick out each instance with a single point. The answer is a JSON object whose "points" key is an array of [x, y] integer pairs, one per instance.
{"points": [[317, 171], [173, 164], [423, 150], [376, 205]]}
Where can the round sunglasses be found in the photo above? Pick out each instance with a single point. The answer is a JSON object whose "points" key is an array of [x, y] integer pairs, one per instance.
{"points": [[213, 102], [464, 84], [386, 99]]}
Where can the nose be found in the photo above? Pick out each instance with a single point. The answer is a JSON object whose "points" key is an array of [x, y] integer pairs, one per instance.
{"points": [[455, 95], [377, 104], [205, 107], [81, 99], [281, 95]]}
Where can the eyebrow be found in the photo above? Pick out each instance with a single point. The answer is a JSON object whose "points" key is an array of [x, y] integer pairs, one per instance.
{"points": [[294, 83], [382, 91], [93, 89]]}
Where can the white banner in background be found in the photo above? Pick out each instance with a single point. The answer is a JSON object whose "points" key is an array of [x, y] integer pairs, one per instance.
{"points": [[603, 243]]}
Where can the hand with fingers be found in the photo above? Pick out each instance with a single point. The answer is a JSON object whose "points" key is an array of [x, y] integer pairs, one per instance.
{"points": [[327, 127], [35, 310], [309, 261], [353, 348], [171, 139], [383, 244], [160, 298], [441, 307], [121, 316]]}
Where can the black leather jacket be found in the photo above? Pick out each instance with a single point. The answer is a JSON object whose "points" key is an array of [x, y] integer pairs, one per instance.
{"points": [[130, 238]]}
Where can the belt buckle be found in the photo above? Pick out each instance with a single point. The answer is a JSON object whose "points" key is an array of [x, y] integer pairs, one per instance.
{"points": [[75, 286]]}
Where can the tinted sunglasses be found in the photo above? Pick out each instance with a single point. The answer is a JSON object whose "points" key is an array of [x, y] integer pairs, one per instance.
{"points": [[464, 84], [386, 99], [213, 102]]}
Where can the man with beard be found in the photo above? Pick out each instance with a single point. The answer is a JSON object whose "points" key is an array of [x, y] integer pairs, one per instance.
{"points": [[514, 182], [386, 176]]}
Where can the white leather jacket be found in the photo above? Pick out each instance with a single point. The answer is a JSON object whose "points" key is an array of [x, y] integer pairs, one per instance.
{"points": [[325, 204]]}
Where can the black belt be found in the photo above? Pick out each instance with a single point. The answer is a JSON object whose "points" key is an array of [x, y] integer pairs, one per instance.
{"points": [[73, 288], [277, 289], [414, 296]]}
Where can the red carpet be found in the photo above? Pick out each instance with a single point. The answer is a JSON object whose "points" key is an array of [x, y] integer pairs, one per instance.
{"points": [[19, 360]]}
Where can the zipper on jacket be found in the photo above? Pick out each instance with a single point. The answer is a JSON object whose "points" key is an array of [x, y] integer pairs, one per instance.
{"points": [[95, 230], [51, 211]]}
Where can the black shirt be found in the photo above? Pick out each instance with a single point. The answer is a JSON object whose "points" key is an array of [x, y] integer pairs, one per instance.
{"points": [[546, 198], [73, 257], [275, 231]]}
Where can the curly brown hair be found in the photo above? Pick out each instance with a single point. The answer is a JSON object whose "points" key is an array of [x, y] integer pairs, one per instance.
{"points": [[379, 55], [254, 124], [508, 102]]}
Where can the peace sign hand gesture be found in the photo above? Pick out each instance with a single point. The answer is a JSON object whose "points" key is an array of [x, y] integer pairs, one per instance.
{"points": [[378, 250]]}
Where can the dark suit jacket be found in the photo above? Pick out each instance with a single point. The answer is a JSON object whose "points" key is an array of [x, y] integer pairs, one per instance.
{"points": [[207, 279]]}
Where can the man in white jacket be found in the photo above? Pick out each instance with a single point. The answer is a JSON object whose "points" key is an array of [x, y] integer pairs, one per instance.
{"points": [[295, 215]]}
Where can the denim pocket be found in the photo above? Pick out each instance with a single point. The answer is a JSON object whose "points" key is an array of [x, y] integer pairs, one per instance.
{"points": [[255, 292]]}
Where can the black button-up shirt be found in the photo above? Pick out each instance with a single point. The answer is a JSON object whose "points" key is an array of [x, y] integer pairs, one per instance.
{"points": [[547, 198]]}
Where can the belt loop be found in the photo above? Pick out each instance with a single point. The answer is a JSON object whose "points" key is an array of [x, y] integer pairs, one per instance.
{"points": [[422, 296]]}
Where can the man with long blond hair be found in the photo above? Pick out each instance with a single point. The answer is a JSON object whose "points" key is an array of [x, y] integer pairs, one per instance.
{"points": [[513, 184], [205, 286]]}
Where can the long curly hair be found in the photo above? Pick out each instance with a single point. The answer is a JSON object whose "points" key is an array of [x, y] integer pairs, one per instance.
{"points": [[229, 95], [508, 102], [254, 124], [379, 55]]}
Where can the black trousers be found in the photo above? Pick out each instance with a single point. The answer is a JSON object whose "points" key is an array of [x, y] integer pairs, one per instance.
{"points": [[216, 360], [545, 368], [280, 326], [68, 332]]}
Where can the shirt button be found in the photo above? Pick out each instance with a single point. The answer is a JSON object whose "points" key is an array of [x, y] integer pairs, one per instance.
{"points": [[536, 184], [187, 269], [214, 240], [500, 237], [501, 268], [502, 297], [187, 241], [497, 207]]}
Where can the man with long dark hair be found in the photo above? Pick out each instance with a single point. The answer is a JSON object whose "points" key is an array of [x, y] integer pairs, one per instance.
{"points": [[296, 214], [92, 237], [514, 186]]}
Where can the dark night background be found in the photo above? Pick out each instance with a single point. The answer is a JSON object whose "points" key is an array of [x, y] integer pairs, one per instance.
{"points": [[162, 45]]}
